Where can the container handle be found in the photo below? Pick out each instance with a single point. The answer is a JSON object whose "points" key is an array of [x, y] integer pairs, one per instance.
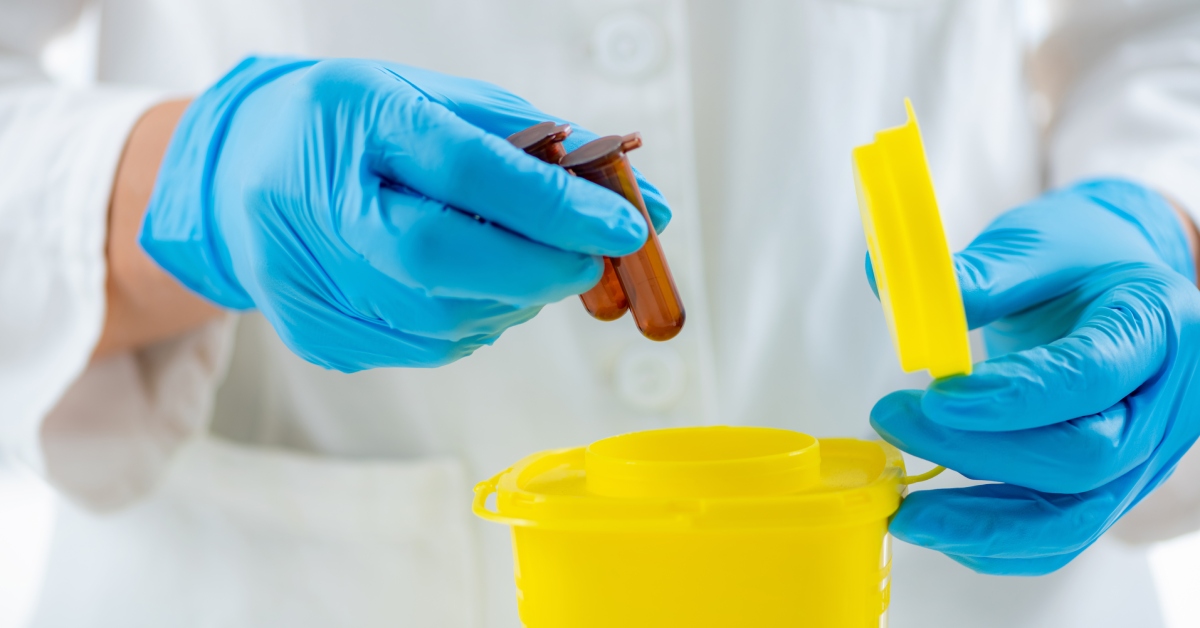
{"points": [[912, 479], [482, 491], [479, 505]]}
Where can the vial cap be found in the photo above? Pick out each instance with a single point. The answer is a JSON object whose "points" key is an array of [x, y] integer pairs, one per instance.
{"points": [[539, 135], [602, 149]]}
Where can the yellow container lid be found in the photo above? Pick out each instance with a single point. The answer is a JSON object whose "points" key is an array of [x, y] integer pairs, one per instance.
{"points": [[700, 478], [910, 256]]}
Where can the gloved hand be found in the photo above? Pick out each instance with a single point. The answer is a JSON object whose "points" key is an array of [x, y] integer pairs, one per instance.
{"points": [[1093, 394], [375, 213]]}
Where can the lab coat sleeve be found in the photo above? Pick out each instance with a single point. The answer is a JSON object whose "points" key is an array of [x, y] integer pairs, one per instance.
{"points": [[1123, 80], [101, 432]]}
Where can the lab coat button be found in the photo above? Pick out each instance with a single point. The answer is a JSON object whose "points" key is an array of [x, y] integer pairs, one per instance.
{"points": [[628, 45], [650, 378]]}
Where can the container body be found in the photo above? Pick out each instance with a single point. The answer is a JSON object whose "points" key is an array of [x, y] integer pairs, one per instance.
{"points": [[645, 277], [646, 530], [820, 577]]}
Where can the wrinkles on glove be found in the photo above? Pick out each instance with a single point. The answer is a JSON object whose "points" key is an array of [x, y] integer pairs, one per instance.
{"points": [[374, 213], [1092, 321]]}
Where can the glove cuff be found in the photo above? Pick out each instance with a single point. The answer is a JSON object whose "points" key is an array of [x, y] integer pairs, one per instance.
{"points": [[1150, 213], [178, 231]]}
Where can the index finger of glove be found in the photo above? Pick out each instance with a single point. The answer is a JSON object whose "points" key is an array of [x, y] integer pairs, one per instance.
{"points": [[424, 244], [1120, 343], [500, 112], [656, 204], [1068, 457], [426, 147], [1039, 566], [1030, 255]]}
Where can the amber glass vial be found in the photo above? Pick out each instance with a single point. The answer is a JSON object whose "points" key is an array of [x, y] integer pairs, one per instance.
{"points": [[605, 301], [644, 275]]}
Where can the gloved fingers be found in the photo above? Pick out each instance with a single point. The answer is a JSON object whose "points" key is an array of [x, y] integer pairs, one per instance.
{"points": [[1018, 261], [656, 203], [425, 245], [425, 146], [350, 345], [502, 113], [1120, 342], [1015, 566], [346, 280], [1041, 250], [349, 316], [377, 297], [450, 319], [1068, 457], [995, 275], [995, 280], [483, 104], [1001, 521]]}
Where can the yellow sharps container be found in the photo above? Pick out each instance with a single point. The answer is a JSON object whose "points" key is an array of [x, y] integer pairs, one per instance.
{"points": [[717, 527], [701, 527]]}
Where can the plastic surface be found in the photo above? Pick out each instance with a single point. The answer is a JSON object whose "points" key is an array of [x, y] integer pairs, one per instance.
{"points": [[910, 257], [606, 300], [702, 527], [644, 275]]}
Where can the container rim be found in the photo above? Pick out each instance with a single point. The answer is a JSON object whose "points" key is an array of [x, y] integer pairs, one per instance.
{"points": [[517, 506]]}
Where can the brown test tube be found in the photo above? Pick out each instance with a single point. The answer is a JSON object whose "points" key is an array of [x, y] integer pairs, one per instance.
{"points": [[605, 301], [644, 275]]}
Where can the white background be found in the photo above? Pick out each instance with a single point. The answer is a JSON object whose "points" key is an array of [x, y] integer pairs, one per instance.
{"points": [[27, 505]]}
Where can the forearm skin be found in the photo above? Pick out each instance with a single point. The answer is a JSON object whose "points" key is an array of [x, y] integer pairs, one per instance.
{"points": [[145, 305]]}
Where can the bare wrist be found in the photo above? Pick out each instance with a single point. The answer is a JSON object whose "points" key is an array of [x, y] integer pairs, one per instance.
{"points": [[144, 303], [1190, 232]]}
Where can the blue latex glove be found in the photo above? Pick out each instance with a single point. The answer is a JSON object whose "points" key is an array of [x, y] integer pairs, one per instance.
{"points": [[375, 213], [1089, 304]]}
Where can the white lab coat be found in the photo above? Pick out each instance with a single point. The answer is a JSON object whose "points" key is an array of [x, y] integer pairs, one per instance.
{"points": [[218, 480]]}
